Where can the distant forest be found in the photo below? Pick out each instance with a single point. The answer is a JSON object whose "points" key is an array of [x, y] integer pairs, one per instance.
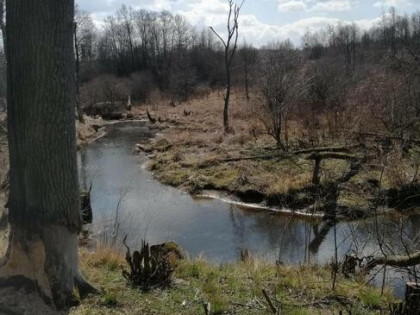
{"points": [[339, 68]]}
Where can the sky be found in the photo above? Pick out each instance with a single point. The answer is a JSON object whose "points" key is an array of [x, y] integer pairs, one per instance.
{"points": [[263, 21]]}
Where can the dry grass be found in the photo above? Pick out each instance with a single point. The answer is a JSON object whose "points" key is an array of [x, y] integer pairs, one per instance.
{"points": [[86, 132], [199, 147], [190, 152]]}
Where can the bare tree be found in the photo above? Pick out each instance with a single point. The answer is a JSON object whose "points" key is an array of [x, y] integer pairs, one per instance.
{"points": [[248, 55], [44, 204], [232, 38], [279, 70]]}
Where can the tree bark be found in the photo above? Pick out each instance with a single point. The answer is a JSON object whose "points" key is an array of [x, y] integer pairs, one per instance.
{"points": [[77, 74], [44, 204]]}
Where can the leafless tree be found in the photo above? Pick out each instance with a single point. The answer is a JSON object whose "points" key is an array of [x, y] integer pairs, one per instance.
{"points": [[248, 56], [278, 83], [232, 38]]}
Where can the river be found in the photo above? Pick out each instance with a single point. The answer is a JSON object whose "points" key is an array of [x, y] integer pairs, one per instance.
{"points": [[212, 228]]}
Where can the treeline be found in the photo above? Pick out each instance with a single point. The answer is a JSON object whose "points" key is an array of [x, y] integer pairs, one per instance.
{"points": [[345, 78], [153, 49]]}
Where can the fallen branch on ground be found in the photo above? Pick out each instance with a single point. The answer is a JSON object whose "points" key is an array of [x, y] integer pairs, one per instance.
{"points": [[267, 297], [394, 261], [336, 156], [314, 151]]}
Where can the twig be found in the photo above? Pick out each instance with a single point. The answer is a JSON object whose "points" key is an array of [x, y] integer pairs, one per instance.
{"points": [[273, 308], [207, 307]]}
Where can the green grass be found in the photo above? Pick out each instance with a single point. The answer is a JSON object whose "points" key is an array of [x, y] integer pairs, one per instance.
{"points": [[229, 288]]}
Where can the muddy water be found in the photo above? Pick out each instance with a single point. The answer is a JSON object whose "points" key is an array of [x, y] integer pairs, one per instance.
{"points": [[126, 199]]}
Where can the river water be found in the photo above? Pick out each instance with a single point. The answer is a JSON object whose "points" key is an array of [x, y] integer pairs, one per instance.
{"points": [[150, 210]]}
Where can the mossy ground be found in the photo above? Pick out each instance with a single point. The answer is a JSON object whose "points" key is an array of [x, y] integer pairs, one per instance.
{"points": [[191, 152], [229, 288]]}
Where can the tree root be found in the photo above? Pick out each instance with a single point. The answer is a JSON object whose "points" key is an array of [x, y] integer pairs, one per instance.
{"points": [[83, 286]]}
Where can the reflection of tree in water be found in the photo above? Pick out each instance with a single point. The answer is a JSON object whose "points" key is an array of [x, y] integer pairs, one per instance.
{"points": [[293, 240], [320, 233], [238, 229], [287, 237]]}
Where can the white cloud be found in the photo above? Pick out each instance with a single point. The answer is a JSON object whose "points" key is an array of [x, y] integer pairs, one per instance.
{"points": [[205, 13], [393, 3], [333, 5], [315, 5], [291, 6]]}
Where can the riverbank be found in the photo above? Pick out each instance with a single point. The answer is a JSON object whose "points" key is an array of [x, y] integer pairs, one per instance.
{"points": [[234, 288], [193, 153]]}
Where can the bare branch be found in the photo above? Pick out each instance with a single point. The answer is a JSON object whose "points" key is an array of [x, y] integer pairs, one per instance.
{"points": [[212, 29]]}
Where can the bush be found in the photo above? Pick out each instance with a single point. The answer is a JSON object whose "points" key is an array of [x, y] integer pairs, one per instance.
{"points": [[141, 86]]}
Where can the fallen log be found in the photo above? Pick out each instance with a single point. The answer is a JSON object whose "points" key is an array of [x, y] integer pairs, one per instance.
{"points": [[328, 155], [344, 149], [336, 156], [395, 261]]}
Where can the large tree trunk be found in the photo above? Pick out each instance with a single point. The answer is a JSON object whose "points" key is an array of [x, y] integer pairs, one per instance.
{"points": [[44, 205], [77, 73]]}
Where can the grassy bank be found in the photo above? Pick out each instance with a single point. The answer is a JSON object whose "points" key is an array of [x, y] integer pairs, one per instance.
{"points": [[192, 152], [229, 288]]}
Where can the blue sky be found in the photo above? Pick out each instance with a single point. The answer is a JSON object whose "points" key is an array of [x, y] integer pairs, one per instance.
{"points": [[262, 21]]}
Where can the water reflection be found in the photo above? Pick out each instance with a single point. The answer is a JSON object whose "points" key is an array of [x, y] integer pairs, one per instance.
{"points": [[210, 227]]}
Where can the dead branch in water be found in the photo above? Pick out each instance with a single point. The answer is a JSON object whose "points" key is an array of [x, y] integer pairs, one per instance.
{"points": [[149, 116]]}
